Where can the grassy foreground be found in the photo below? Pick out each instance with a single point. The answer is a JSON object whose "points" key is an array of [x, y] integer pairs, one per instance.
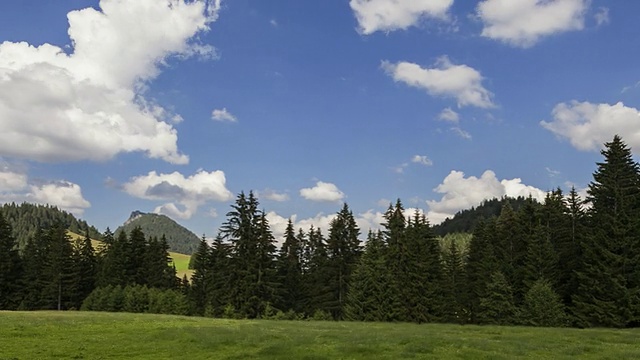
{"points": [[86, 335]]}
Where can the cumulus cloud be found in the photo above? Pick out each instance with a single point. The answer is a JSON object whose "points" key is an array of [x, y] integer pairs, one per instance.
{"points": [[322, 192], [16, 187], [449, 115], [422, 160], [223, 115], [446, 79], [184, 194], [390, 15], [523, 23], [460, 192], [88, 103], [273, 195], [588, 126]]}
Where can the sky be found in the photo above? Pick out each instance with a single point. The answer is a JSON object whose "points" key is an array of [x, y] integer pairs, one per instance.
{"points": [[175, 107]]}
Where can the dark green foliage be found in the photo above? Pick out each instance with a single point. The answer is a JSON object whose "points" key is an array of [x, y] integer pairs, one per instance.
{"points": [[369, 296], [609, 274], [25, 220], [453, 282], [497, 305], [316, 278], [179, 238], [481, 264], [252, 257], [57, 273], [289, 268], [465, 221], [136, 299], [343, 250], [10, 268], [542, 306], [84, 271], [158, 268]]}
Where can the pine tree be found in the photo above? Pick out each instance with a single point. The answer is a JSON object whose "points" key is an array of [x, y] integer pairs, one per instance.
{"points": [[200, 280], [136, 271], [10, 268], [343, 248], [58, 270], [114, 262], [316, 277], [369, 293], [83, 278], [253, 257], [542, 306], [609, 275], [290, 271], [34, 262], [158, 265], [453, 283], [481, 264], [497, 305]]}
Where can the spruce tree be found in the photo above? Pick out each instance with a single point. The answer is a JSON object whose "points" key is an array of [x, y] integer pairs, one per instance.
{"points": [[343, 248], [481, 264], [542, 306], [10, 268], [83, 277], [497, 305], [316, 277], [608, 292], [290, 271], [200, 280], [453, 282]]}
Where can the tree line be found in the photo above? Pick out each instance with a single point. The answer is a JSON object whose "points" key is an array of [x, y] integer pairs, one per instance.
{"points": [[566, 261]]}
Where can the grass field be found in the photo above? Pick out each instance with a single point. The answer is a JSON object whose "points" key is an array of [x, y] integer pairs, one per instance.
{"points": [[85, 335]]}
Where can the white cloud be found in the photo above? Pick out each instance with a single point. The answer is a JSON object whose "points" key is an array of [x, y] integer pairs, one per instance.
{"points": [[461, 82], [273, 22], [588, 126], [322, 192], [449, 115], [185, 194], [273, 195], [523, 22], [602, 16], [16, 187], [462, 193], [88, 103], [462, 133], [223, 115], [390, 15], [422, 160], [400, 168]]}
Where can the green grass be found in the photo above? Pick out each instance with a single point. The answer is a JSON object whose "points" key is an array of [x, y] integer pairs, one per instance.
{"points": [[85, 335]]}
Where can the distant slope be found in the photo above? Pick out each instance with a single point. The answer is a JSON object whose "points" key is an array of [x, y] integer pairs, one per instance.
{"points": [[464, 221], [179, 238], [25, 220]]}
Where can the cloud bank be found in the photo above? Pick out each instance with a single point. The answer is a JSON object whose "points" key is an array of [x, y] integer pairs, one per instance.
{"points": [[88, 103]]}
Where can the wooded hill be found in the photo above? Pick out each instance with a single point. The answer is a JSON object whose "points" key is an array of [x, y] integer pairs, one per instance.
{"points": [[25, 220], [179, 238]]}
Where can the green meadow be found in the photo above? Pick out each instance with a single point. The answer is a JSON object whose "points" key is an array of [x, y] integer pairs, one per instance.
{"points": [[87, 335]]}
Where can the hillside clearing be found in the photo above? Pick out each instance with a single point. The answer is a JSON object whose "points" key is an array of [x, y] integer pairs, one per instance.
{"points": [[86, 335]]}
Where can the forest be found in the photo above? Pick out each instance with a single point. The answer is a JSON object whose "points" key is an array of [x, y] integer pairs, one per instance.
{"points": [[567, 261]]}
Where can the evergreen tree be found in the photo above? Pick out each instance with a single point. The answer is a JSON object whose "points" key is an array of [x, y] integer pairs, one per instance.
{"points": [[453, 283], [609, 274], [114, 262], [316, 277], [253, 257], [497, 305], [158, 265], [369, 293], [290, 271], [343, 248], [481, 264], [200, 280], [83, 277], [58, 270], [136, 271], [542, 306], [34, 261], [10, 268]]}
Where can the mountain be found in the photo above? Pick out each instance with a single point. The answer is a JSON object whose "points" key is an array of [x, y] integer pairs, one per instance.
{"points": [[25, 220], [179, 238], [464, 221]]}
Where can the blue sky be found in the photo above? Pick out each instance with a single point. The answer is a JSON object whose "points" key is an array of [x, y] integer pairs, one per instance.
{"points": [[170, 106]]}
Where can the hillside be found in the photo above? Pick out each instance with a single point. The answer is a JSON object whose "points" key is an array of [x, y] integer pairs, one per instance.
{"points": [[25, 220], [464, 221], [179, 238]]}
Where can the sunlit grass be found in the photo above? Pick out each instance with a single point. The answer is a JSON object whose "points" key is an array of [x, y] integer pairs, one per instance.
{"points": [[85, 335]]}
